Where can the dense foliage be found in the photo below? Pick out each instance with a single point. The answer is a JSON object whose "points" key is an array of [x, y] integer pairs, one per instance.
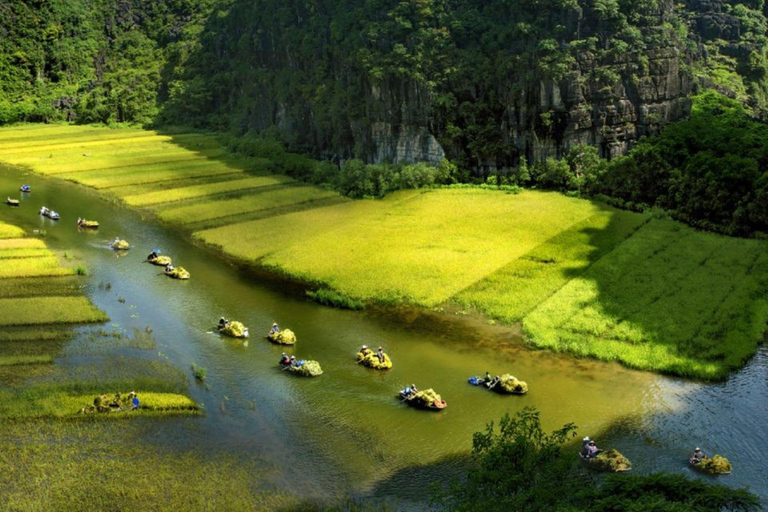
{"points": [[99, 60], [519, 466]]}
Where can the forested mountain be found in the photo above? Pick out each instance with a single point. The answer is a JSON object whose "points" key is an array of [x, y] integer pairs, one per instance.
{"points": [[481, 82]]}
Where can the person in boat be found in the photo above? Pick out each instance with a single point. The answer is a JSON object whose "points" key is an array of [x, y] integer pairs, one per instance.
{"points": [[591, 450], [493, 382], [116, 240], [223, 323], [294, 362], [169, 268], [487, 380], [153, 255], [380, 355], [409, 391], [285, 360], [365, 350], [698, 456], [43, 210], [275, 328]]}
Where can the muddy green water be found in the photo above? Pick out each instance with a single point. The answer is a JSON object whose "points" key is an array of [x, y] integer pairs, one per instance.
{"points": [[346, 430]]}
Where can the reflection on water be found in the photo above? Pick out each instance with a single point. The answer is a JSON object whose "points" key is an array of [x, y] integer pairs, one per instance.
{"points": [[346, 430]]}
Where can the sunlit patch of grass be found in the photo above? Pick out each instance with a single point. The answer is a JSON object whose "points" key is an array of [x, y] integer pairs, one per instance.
{"points": [[212, 209], [33, 267], [424, 247], [47, 334], [49, 310], [669, 299], [520, 286], [198, 191], [21, 243], [25, 359], [10, 231], [25, 252]]}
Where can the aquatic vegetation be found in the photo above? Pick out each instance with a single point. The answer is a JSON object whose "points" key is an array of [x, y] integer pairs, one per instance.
{"points": [[284, 337], [610, 461], [49, 310], [511, 384], [200, 372], [715, 465], [234, 329], [307, 368], [371, 360]]}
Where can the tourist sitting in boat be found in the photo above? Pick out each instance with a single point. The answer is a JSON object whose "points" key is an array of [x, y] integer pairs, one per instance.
{"points": [[43, 210], [380, 354], [223, 323], [365, 350], [169, 268], [590, 450], [294, 362], [409, 391], [487, 378], [154, 254], [275, 328], [697, 457], [116, 240], [285, 360]]}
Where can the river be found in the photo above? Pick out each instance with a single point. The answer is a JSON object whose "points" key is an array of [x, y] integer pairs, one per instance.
{"points": [[348, 432]]}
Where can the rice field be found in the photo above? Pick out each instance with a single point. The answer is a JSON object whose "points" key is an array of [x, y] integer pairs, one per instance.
{"points": [[580, 277], [9, 231], [49, 310]]}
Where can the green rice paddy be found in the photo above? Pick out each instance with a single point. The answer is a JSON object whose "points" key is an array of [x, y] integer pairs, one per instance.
{"points": [[580, 277]]}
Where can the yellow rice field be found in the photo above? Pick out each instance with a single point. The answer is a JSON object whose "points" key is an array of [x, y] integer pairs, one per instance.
{"points": [[198, 191], [48, 310], [9, 231]]}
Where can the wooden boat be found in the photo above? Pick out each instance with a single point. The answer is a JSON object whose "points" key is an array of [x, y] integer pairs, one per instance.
{"points": [[45, 212], [427, 399], [11, 202], [25, 188], [87, 224], [506, 385]]}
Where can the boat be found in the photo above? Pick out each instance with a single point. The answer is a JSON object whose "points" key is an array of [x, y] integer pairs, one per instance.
{"points": [[303, 368], [426, 399], [714, 465], [178, 273], [25, 188], [156, 259], [506, 385], [234, 329], [45, 212], [87, 224], [120, 245], [610, 461], [369, 358], [11, 202], [284, 337]]}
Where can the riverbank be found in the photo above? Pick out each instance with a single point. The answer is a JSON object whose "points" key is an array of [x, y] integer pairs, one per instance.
{"points": [[580, 277]]}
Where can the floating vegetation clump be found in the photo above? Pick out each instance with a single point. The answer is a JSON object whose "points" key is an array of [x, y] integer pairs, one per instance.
{"points": [[234, 329], [306, 369], [161, 261], [512, 385], [610, 461], [178, 273], [120, 245], [426, 399], [110, 403], [371, 360], [715, 465], [88, 224], [284, 337]]}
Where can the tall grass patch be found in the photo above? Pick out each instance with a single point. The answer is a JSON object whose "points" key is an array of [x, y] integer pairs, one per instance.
{"points": [[264, 200], [48, 310], [10, 231], [668, 299]]}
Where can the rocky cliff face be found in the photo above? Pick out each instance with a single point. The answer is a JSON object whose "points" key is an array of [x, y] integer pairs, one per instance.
{"points": [[483, 83]]}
